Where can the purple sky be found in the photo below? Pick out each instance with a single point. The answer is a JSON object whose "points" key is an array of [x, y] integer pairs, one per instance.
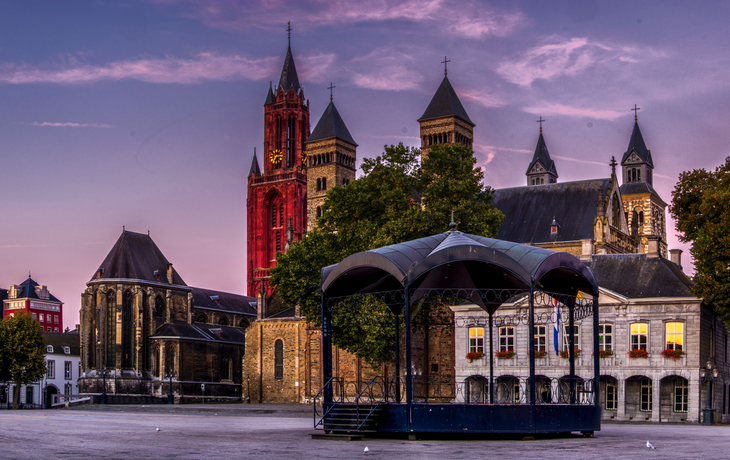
{"points": [[146, 114]]}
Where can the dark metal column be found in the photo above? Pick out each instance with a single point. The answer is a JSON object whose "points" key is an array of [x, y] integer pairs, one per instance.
{"points": [[327, 350], [409, 378], [397, 358], [531, 323], [571, 346], [491, 359], [596, 357]]}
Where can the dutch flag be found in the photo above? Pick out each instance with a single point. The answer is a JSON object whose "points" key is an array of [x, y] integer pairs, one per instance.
{"points": [[556, 311]]}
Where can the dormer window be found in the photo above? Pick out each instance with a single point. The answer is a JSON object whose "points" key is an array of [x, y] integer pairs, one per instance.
{"points": [[216, 299], [100, 272], [157, 274], [554, 228], [66, 350], [49, 348]]}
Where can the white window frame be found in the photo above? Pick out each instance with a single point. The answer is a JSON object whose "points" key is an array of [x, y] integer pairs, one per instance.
{"points": [[635, 338], [67, 370], [645, 395], [605, 339], [540, 334], [507, 338], [566, 337], [51, 369], [611, 395], [674, 345], [681, 395], [476, 339]]}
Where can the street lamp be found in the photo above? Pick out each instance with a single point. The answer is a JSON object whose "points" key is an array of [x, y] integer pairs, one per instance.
{"points": [[170, 396], [103, 388], [708, 374]]}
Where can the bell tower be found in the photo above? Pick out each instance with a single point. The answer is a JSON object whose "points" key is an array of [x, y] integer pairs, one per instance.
{"points": [[277, 197]]}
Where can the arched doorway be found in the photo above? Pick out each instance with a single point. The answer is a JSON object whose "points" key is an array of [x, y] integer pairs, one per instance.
{"points": [[51, 390], [476, 390], [674, 399]]}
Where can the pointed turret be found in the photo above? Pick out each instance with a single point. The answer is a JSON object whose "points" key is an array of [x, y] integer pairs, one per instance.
{"points": [[270, 98], [637, 144], [254, 171], [289, 78], [445, 120], [331, 125], [542, 168], [637, 163]]}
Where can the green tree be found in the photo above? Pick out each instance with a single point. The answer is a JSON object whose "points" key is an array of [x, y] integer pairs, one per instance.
{"points": [[700, 203], [23, 350], [397, 199]]}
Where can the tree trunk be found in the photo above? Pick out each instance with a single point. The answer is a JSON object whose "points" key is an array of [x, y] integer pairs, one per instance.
{"points": [[16, 396]]}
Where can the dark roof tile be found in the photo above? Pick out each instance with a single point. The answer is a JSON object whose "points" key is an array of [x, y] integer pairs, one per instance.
{"points": [[64, 339], [331, 125], [289, 78], [636, 143], [235, 303], [445, 103], [639, 276], [543, 156]]}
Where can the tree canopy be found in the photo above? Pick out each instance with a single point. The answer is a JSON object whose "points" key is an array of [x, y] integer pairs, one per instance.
{"points": [[398, 198], [700, 203], [22, 352]]}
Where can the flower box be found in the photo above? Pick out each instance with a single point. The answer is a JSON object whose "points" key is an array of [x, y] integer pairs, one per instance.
{"points": [[566, 353], [507, 354], [638, 353], [672, 354], [474, 355], [540, 354], [605, 353]]}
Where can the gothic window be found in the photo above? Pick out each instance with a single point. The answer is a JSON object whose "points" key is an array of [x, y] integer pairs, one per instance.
{"points": [[201, 318], [111, 329], [243, 324], [156, 362], [223, 321], [281, 214], [127, 329], [641, 219], [638, 175], [277, 129], [319, 184], [159, 307], [278, 359], [169, 359], [226, 367], [634, 223], [615, 211], [319, 212], [278, 241], [324, 183]]}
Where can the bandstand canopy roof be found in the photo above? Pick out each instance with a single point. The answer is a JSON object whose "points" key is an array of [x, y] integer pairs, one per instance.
{"points": [[460, 264]]}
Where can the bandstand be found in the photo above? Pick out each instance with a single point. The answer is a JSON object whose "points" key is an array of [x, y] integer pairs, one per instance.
{"points": [[479, 270]]}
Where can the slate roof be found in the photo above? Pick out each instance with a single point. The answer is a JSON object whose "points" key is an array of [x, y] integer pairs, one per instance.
{"points": [[289, 78], [27, 291], [636, 143], [64, 339], [255, 171], [331, 125], [235, 303], [270, 98], [136, 256], [201, 331], [542, 155], [638, 276], [445, 103], [634, 188], [529, 210]]}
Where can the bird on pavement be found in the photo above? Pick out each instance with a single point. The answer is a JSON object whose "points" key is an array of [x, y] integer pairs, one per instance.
{"points": [[648, 444]]}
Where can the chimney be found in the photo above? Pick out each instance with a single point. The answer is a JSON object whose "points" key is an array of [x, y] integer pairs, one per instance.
{"points": [[675, 255], [169, 273], [587, 250], [653, 246]]}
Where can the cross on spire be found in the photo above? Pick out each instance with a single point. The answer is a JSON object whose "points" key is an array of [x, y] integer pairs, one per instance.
{"points": [[330, 87], [288, 31], [613, 165], [444, 62], [540, 121], [636, 112]]}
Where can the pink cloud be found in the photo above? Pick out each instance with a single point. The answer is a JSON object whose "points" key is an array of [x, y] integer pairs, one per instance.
{"points": [[69, 125], [204, 66], [561, 109], [485, 100], [471, 19], [384, 69], [569, 57]]}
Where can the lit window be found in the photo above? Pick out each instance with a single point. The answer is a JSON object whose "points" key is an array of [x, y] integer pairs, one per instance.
{"points": [[605, 336], [639, 336], [675, 336], [681, 395], [566, 337], [646, 402], [476, 339], [540, 338], [507, 338]]}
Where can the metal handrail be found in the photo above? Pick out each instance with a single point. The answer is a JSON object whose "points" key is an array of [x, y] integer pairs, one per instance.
{"points": [[369, 388], [329, 383]]}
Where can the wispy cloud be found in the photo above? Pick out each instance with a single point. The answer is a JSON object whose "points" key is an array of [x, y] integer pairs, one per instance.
{"points": [[69, 125], [202, 67], [576, 160], [385, 68], [471, 19], [485, 100], [561, 109], [568, 57], [316, 68]]}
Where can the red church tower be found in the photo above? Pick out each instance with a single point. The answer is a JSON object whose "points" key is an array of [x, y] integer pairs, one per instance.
{"points": [[277, 197]]}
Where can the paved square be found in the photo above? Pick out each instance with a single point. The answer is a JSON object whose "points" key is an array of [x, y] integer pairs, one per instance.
{"points": [[281, 431]]}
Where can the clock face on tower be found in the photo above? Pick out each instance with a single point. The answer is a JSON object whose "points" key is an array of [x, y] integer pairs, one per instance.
{"points": [[276, 156], [304, 158]]}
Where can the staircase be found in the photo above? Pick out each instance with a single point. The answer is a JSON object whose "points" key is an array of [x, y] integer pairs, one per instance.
{"points": [[351, 418]]}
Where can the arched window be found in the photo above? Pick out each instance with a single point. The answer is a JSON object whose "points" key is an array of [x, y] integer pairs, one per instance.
{"points": [[641, 219], [111, 329], [276, 229], [638, 175], [634, 223], [319, 184], [615, 211], [278, 359], [127, 329], [324, 183], [319, 212], [159, 307], [243, 324], [156, 362], [201, 318], [223, 321], [226, 367], [169, 359]]}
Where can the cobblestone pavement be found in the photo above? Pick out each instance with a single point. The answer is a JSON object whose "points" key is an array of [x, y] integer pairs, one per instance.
{"points": [[283, 431]]}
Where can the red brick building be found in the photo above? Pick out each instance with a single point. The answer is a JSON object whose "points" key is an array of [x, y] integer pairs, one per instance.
{"points": [[35, 299]]}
